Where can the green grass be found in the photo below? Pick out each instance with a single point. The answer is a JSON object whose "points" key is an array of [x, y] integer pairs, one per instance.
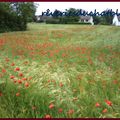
{"points": [[72, 67]]}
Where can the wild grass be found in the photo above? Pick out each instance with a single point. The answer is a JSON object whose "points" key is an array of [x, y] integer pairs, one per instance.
{"points": [[60, 71]]}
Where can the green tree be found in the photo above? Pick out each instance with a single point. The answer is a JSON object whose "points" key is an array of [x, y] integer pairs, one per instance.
{"points": [[96, 20], [69, 17], [24, 9], [108, 17], [15, 15]]}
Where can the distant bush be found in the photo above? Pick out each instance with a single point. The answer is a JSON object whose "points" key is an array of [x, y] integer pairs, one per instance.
{"points": [[69, 19], [52, 21]]}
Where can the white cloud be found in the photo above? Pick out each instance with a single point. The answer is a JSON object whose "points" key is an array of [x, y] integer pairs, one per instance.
{"points": [[89, 6]]}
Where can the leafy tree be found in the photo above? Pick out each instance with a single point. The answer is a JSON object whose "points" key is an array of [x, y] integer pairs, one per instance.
{"points": [[70, 16], [15, 15], [25, 9], [96, 20], [105, 19], [108, 17]]}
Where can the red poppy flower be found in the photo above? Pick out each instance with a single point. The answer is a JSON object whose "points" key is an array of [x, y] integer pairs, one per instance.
{"points": [[105, 110], [60, 110], [12, 77], [49, 81], [115, 82], [26, 84], [17, 69], [108, 102], [20, 81], [60, 61], [63, 55], [97, 104], [15, 81], [12, 64], [24, 79], [17, 94], [51, 106], [3, 70], [1, 94], [20, 74], [7, 60], [70, 111], [61, 84], [47, 116]]}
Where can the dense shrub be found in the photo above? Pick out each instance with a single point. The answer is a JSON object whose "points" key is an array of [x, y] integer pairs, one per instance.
{"points": [[10, 22], [15, 15], [69, 19], [53, 21]]}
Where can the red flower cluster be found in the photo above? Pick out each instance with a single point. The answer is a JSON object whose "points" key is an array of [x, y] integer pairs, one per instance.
{"points": [[108, 102]]}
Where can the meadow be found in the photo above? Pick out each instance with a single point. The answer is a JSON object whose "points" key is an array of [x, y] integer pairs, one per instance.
{"points": [[60, 71]]}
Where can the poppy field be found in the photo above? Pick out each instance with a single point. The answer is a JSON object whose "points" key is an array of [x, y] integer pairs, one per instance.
{"points": [[60, 71]]}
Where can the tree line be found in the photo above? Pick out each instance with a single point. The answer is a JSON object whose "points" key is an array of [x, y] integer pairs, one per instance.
{"points": [[57, 18], [14, 16]]}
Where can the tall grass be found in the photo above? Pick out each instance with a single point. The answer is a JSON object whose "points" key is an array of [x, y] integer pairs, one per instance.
{"points": [[60, 72]]}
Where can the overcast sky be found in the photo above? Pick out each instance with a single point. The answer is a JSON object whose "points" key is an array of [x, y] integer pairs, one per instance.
{"points": [[88, 6]]}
